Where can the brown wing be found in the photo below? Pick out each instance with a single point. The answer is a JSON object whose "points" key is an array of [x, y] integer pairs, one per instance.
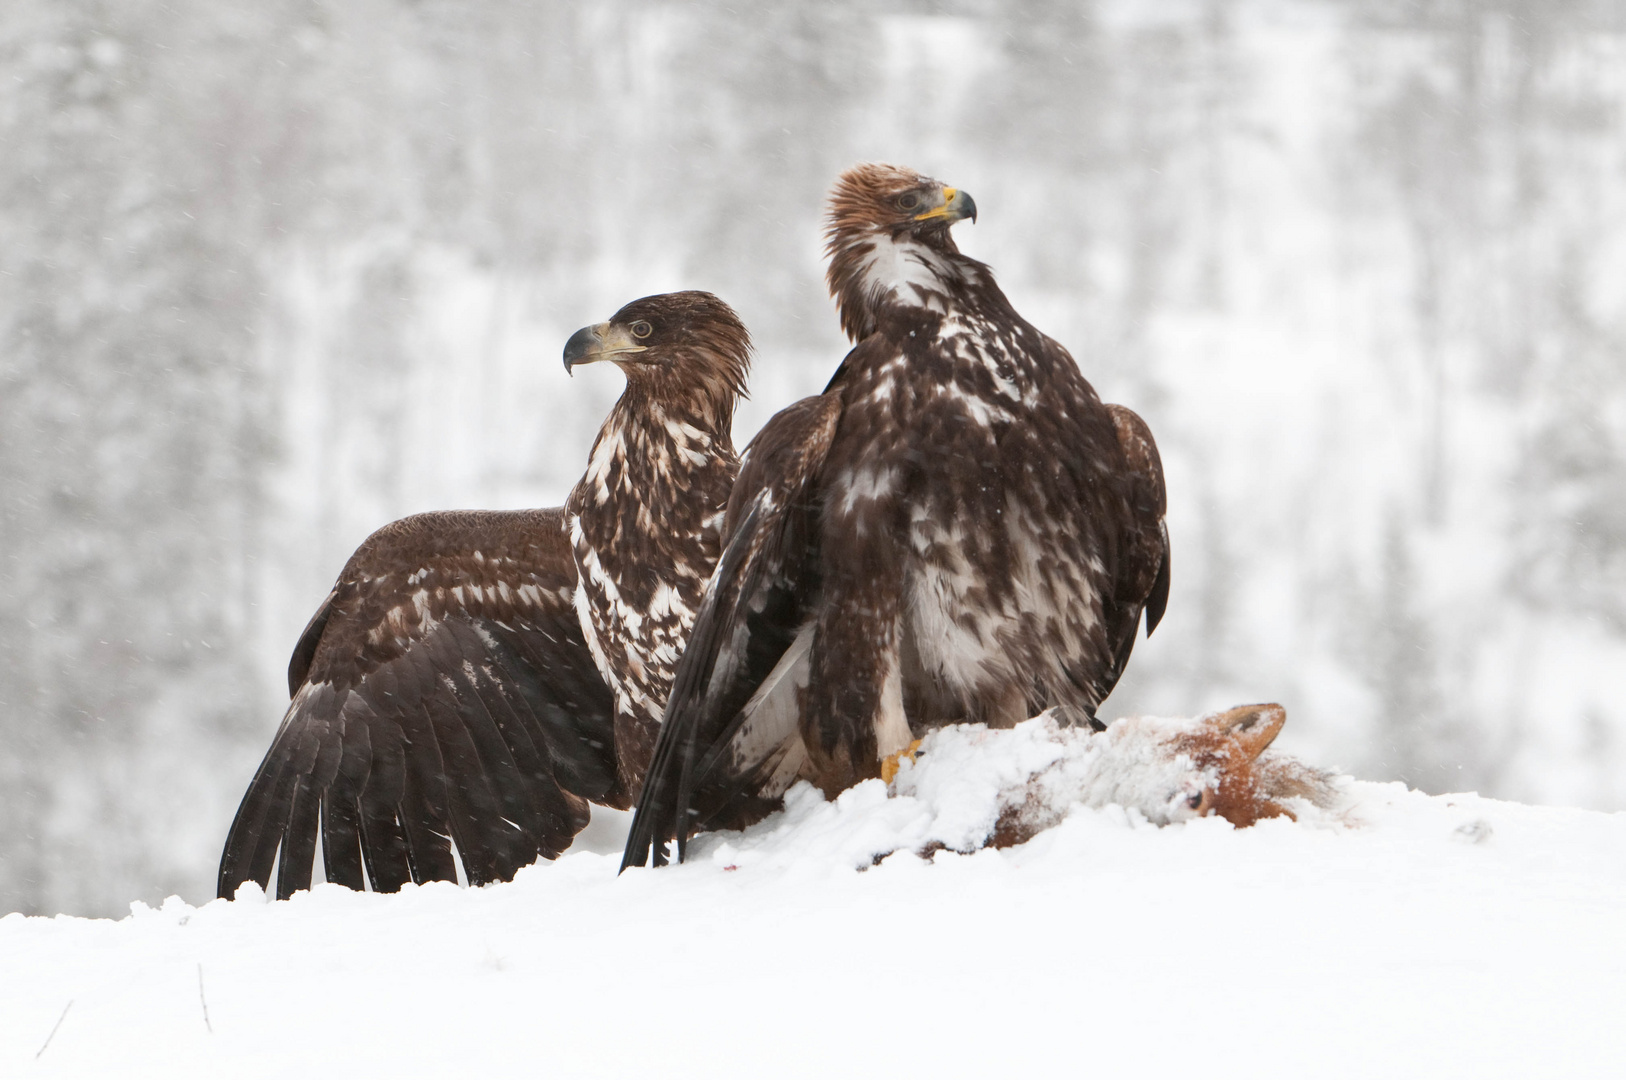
{"points": [[722, 739], [441, 694], [1142, 582]]}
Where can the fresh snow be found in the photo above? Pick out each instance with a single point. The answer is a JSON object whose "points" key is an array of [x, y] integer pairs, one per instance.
{"points": [[1388, 934]]}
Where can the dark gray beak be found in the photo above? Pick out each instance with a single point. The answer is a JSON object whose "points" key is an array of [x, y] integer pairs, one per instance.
{"points": [[581, 343], [603, 341]]}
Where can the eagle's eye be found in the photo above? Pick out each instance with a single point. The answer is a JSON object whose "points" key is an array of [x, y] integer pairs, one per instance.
{"points": [[642, 329], [909, 200]]}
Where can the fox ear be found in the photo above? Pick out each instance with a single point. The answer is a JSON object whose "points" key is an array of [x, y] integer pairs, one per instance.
{"points": [[1254, 726]]}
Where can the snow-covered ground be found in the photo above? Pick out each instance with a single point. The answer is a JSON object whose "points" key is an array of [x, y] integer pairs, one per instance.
{"points": [[1394, 934]]}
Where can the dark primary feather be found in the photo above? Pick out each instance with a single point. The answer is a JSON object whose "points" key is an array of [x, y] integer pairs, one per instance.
{"points": [[957, 529]]}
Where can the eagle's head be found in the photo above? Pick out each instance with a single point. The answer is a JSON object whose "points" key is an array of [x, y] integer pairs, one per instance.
{"points": [[887, 231], [685, 347]]}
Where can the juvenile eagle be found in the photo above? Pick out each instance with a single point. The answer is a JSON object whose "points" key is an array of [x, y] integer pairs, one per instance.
{"points": [[957, 529], [479, 677]]}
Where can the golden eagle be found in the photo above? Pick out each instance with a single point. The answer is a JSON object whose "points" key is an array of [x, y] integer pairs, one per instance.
{"points": [[957, 529], [479, 677]]}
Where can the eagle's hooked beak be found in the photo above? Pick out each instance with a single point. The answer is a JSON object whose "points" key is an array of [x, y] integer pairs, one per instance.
{"points": [[605, 341], [957, 206]]}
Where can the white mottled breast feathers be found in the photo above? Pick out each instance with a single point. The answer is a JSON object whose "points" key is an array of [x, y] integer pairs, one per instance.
{"points": [[905, 271]]}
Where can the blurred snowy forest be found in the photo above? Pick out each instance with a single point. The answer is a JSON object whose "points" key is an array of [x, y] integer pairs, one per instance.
{"points": [[274, 272]]}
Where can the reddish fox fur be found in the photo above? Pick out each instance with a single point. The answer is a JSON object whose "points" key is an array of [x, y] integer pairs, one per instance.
{"points": [[1231, 743]]}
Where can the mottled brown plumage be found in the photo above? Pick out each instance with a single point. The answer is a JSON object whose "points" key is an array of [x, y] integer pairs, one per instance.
{"points": [[958, 529], [644, 521], [480, 677]]}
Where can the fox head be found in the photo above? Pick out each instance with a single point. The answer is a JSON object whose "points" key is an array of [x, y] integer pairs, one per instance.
{"points": [[1227, 779]]}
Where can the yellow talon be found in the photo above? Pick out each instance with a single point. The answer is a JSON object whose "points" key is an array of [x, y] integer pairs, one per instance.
{"points": [[891, 765]]}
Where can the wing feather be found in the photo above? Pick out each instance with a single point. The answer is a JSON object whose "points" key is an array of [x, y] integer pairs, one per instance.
{"points": [[460, 728], [318, 754], [423, 809], [1141, 587], [341, 809], [384, 849]]}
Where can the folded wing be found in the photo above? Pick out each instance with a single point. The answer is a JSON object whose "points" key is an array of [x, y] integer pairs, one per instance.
{"points": [[1141, 585]]}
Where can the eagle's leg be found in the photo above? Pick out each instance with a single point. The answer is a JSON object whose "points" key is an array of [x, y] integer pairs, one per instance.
{"points": [[1007, 707], [634, 747], [854, 720]]}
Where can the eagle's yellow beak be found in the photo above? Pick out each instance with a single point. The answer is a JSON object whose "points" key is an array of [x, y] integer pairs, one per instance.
{"points": [[956, 206], [604, 341]]}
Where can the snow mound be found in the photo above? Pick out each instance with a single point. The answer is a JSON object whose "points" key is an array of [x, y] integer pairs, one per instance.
{"points": [[1388, 933]]}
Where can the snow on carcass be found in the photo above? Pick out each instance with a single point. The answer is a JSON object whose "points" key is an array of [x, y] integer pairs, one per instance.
{"points": [[968, 786]]}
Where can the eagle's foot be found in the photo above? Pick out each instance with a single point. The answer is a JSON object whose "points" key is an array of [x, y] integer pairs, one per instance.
{"points": [[891, 765]]}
